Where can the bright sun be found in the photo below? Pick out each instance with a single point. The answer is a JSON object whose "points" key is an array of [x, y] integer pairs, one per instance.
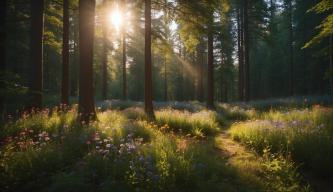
{"points": [[115, 17]]}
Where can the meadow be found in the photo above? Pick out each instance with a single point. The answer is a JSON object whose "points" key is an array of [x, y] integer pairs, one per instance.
{"points": [[238, 147]]}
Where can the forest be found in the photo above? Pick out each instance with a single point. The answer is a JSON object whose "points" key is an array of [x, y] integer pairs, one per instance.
{"points": [[166, 95]]}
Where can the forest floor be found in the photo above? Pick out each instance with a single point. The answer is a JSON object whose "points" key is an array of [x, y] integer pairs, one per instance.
{"points": [[280, 145]]}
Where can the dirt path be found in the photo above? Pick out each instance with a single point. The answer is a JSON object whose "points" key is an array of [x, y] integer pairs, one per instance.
{"points": [[247, 163], [250, 166]]}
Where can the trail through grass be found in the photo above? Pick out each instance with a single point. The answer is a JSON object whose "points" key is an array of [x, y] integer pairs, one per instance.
{"points": [[187, 149]]}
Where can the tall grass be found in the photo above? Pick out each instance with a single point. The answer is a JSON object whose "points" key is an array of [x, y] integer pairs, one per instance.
{"points": [[306, 135], [236, 112], [52, 151], [197, 124]]}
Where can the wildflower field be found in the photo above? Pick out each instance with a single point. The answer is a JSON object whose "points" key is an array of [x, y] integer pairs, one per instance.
{"points": [[187, 148]]}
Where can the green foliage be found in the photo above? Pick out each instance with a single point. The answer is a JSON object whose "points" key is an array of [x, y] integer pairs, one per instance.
{"points": [[326, 26], [281, 174], [53, 152]]}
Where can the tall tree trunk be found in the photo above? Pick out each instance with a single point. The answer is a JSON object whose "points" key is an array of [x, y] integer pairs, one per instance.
{"points": [[165, 80], [240, 54], [123, 29], [3, 14], [105, 56], [200, 59], [331, 63], [184, 76], [148, 65], [181, 82], [210, 72], [291, 49], [124, 64], [65, 54], [36, 43], [104, 68], [86, 36], [75, 64], [246, 52]]}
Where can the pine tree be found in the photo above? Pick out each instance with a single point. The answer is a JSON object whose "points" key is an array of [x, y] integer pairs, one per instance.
{"points": [[65, 55], [86, 33], [148, 100], [36, 48]]}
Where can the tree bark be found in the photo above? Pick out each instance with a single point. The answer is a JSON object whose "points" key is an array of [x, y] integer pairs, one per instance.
{"points": [[86, 36], [331, 63], [240, 54], [246, 53], [36, 48], [291, 49], [200, 70], [105, 57], [75, 64], [3, 14], [210, 72], [165, 80], [124, 64], [181, 82], [65, 55], [123, 31], [148, 64]]}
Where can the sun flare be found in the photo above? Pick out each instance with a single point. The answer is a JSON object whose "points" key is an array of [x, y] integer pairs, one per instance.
{"points": [[116, 19]]}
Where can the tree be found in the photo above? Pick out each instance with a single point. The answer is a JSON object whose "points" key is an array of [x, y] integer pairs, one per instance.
{"points": [[105, 55], [36, 48], [65, 54], [240, 39], [210, 70], [326, 31], [124, 53], [86, 36], [289, 7], [246, 52], [200, 58], [3, 14], [148, 63], [326, 26]]}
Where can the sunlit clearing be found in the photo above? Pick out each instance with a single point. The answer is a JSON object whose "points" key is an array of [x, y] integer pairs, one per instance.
{"points": [[116, 18]]}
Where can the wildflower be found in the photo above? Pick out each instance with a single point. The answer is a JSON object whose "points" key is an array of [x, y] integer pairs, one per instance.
{"points": [[106, 151], [98, 147], [47, 138], [88, 142], [108, 145]]}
